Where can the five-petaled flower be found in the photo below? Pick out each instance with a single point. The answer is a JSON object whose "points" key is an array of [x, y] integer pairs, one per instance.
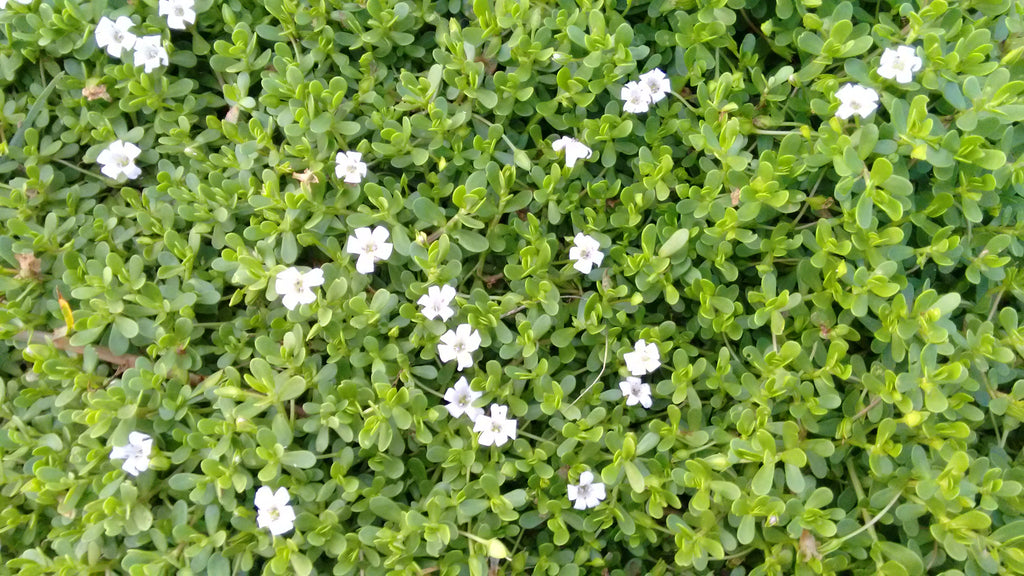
{"points": [[899, 64], [636, 97], [459, 345], [585, 253], [296, 287], [350, 167], [856, 99], [369, 246], [586, 494], [150, 52], [644, 359], [657, 84], [496, 429], [273, 510], [635, 391], [119, 159], [135, 454], [115, 35], [460, 398], [574, 149], [436, 303], [178, 12]]}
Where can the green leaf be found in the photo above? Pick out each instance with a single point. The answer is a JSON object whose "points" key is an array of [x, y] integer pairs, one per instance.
{"points": [[299, 459], [470, 240], [291, 388], [763, 479], [633, 475], [675, 242]]}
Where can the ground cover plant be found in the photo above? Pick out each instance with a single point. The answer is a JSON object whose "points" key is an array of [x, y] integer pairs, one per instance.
{"points": [[496, 287]]}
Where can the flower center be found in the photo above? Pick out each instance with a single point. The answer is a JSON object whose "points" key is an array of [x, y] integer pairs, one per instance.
{"points": [[179, 11], [636, 389], [585, 254], [583, 491], [458, 346], [496, 427], [118, 37], [299, 285], [371, 247], [274, 513], [122, 161]]}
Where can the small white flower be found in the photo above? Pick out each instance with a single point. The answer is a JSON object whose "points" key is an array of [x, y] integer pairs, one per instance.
{"points": [[436, 303], [635, 392], [350, 167], [459, 345], [273, 510], [496, 429], [296, 287], [150, 52], [585, 253], [135, 454], [574, 149], [178, 12], [115, 35], [644, 359], [460, 398], [657, 84], [369, 246], [636, 97], [586, 494], [856, 99], [899, 64], [119, 158]]}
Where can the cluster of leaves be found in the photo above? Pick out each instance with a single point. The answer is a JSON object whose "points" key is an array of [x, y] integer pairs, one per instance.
{"points": [[834, 301]]}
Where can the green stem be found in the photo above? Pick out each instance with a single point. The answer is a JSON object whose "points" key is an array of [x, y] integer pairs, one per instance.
{"points": [[834, 544]]}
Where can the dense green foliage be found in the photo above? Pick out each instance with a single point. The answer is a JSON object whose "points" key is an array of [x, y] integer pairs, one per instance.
{"points": [[834, 301]]}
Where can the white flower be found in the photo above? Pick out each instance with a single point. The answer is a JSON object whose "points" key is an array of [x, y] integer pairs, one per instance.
{"points": [[115, 35], [135, 454], [350, 167], [459, 345], [586, 253], [636, 97], [460, 398], [635, 392], [644, 359], [574, 149], [657, 84], [273, 510], [119, 158], [437, 302], [296, 287], [496, 429], [150, 52], [899, 64], [856, 99], [178, 12], [587, 493], [370, 246]]}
